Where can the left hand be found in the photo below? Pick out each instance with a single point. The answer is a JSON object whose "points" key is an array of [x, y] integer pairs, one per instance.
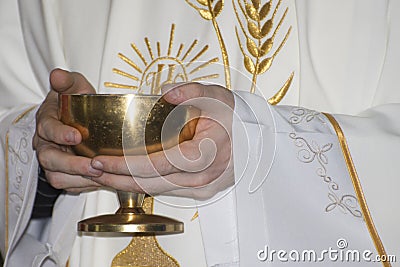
{"points": [[52, 138], [198, 168]]}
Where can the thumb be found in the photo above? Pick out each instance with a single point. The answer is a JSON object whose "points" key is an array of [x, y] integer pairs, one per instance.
{"points": [[66, 82], [179, 93]]}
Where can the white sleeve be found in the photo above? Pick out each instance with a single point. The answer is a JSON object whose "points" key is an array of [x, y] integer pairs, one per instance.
{"points": [[373, 138], [20, 94]]}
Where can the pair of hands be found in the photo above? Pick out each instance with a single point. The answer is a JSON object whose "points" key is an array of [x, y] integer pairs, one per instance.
{"points": [[198, 168]]}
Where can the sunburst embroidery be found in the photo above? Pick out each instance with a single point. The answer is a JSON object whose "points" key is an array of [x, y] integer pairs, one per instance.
{"points": [[151, 70]]}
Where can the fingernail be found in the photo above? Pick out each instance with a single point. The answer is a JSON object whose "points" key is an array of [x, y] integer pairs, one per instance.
{"points": [[97, 164], [71, 137], [94, 171], [174, 94]]}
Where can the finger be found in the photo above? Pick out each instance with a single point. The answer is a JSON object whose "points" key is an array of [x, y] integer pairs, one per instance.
{"points": [[178, 93], [140, 166], [186, 91], [119, 182], [61, 180], [53, 159], [128, 183], [51, 129], [189, 156], [63, 81], [203, 193], [199, 186], [191, 180], [111, 164], [159, 185]]}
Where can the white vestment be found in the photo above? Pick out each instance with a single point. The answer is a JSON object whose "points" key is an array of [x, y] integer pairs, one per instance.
{"points": [[344, 58]]}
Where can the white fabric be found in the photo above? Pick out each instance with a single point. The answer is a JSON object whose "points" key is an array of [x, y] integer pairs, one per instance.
{"points": [[345, 59], [302, 208]]}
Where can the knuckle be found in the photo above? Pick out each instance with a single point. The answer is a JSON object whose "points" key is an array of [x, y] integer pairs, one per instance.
{"points": [[55, 180], [117, 165], [44, 129], [43, 159], [39, 112], [201, 179], [108, 166], [77, 166], [35, 142], [164, 166], [113, 165], [105, 180], [39, 128]]}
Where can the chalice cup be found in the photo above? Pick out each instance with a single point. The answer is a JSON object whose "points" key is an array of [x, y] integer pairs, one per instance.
{"points": [[120, 125]]}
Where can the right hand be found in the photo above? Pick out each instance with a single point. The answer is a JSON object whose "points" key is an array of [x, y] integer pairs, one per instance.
{"points": [[63, 169]]}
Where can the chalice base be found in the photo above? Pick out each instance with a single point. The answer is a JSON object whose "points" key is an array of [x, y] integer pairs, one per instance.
{"points": [[131, 223]]}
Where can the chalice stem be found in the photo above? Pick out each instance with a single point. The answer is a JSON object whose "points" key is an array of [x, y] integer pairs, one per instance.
{"points": [[130, 202]]}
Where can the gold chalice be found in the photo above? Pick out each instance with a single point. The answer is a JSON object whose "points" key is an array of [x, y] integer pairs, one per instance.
{"points": [[126, 124]]}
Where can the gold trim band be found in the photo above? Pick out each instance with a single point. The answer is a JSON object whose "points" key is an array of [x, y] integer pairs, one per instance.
{"points": [[359, 192], [23, 114]]}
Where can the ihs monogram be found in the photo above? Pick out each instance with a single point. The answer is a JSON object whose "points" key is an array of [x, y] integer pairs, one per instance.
{"points": [[158, 70]]}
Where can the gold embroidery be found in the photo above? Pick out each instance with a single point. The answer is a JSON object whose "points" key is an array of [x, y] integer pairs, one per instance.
{"points": [[358, 189], [254, 60], [274, 100], [195, 216], [144, 250], [171, 40], [190, 49], [210, 12], [130, 62], [161, 70], [23, 114], [146, 40], [134, 47]]}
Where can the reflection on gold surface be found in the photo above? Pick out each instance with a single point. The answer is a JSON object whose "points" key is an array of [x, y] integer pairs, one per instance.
{"points": [[126, 125], [144, 250], [101, 120]]}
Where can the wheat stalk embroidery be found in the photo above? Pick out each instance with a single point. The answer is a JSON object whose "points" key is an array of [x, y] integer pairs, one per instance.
{"points": [[210, 10], [257, 28]]}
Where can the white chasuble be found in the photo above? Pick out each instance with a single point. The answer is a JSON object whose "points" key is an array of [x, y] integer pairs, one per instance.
{"points": [[293, 192]]}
